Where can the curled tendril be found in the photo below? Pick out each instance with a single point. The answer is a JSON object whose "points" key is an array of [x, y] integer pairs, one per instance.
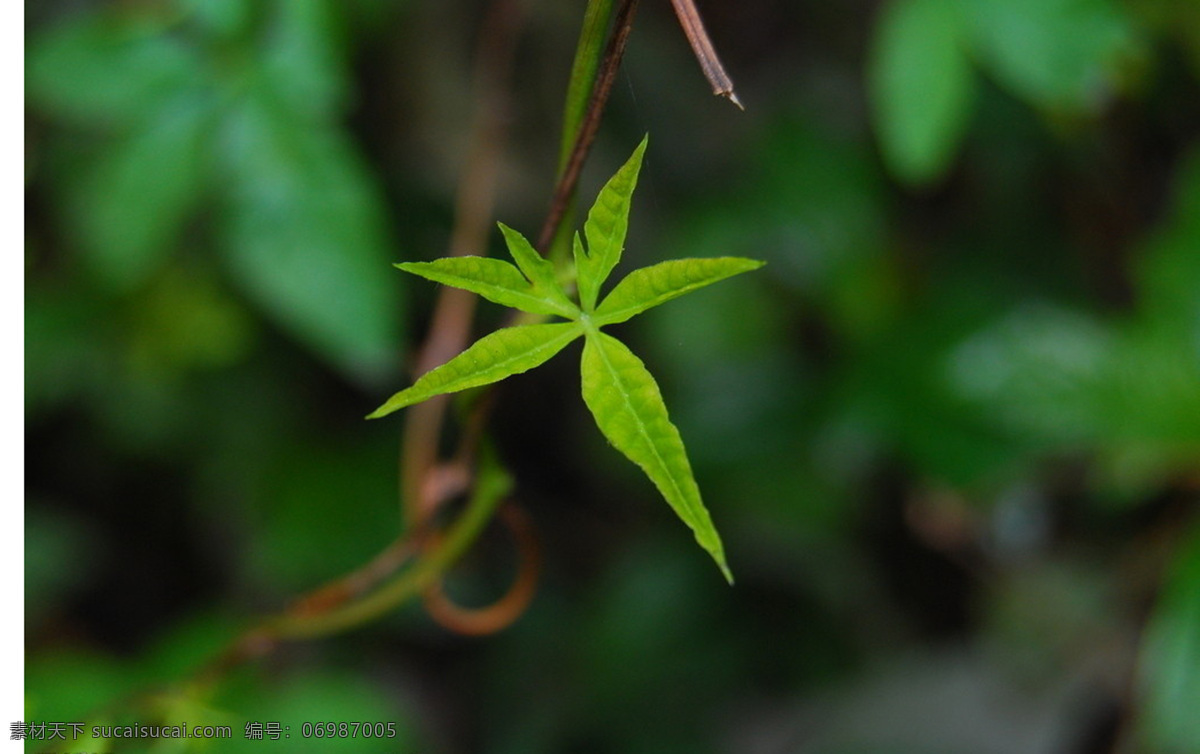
{"points": [[479, 621]]}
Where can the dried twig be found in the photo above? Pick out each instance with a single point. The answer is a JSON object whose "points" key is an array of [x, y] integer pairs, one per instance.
{"points": [[693, 27]]}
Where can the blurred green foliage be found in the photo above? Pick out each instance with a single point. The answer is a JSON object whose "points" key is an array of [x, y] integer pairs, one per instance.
{"points": [[234, 107], [950, 434], [1066, 57]]}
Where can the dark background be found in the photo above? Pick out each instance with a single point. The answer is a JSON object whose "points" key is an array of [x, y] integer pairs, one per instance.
{"points": [[950, 433]]}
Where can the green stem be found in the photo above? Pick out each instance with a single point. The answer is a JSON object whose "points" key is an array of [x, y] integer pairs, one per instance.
{"points": [[588, 52], [606, 73]]}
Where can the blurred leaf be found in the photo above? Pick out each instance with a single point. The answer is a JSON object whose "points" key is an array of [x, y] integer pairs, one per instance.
{"points": [[131, 207], [1037, 370], [1064, 380], [508, 351], [305, 235], [301, 57], [628, 406], [1151, 391], [921, 86], [220, 18], [107, 68], [1170, 670], [1147, 412], [1057, 54]]}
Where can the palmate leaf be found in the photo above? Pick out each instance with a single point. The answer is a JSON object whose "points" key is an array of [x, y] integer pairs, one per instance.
{"points": [[650, 286], [607, 223], [506, 352], [304, 231], [628, 408], [495, 280], [621, 394]]}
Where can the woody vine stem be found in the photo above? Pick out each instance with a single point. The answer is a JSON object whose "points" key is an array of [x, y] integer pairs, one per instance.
{"points": [[427, 482]]}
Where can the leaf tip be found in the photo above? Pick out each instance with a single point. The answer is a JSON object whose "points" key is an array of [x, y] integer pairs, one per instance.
{"points": [[718, 556], [640, 151], [391, 406]]}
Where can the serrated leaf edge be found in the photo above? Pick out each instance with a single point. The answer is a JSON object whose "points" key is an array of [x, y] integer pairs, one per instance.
{"points": [[420, 391], [601, 317], [534, 300], [697, 514]]}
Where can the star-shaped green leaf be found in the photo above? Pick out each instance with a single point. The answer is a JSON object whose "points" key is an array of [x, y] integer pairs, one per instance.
{"points": [[618, 389]]}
